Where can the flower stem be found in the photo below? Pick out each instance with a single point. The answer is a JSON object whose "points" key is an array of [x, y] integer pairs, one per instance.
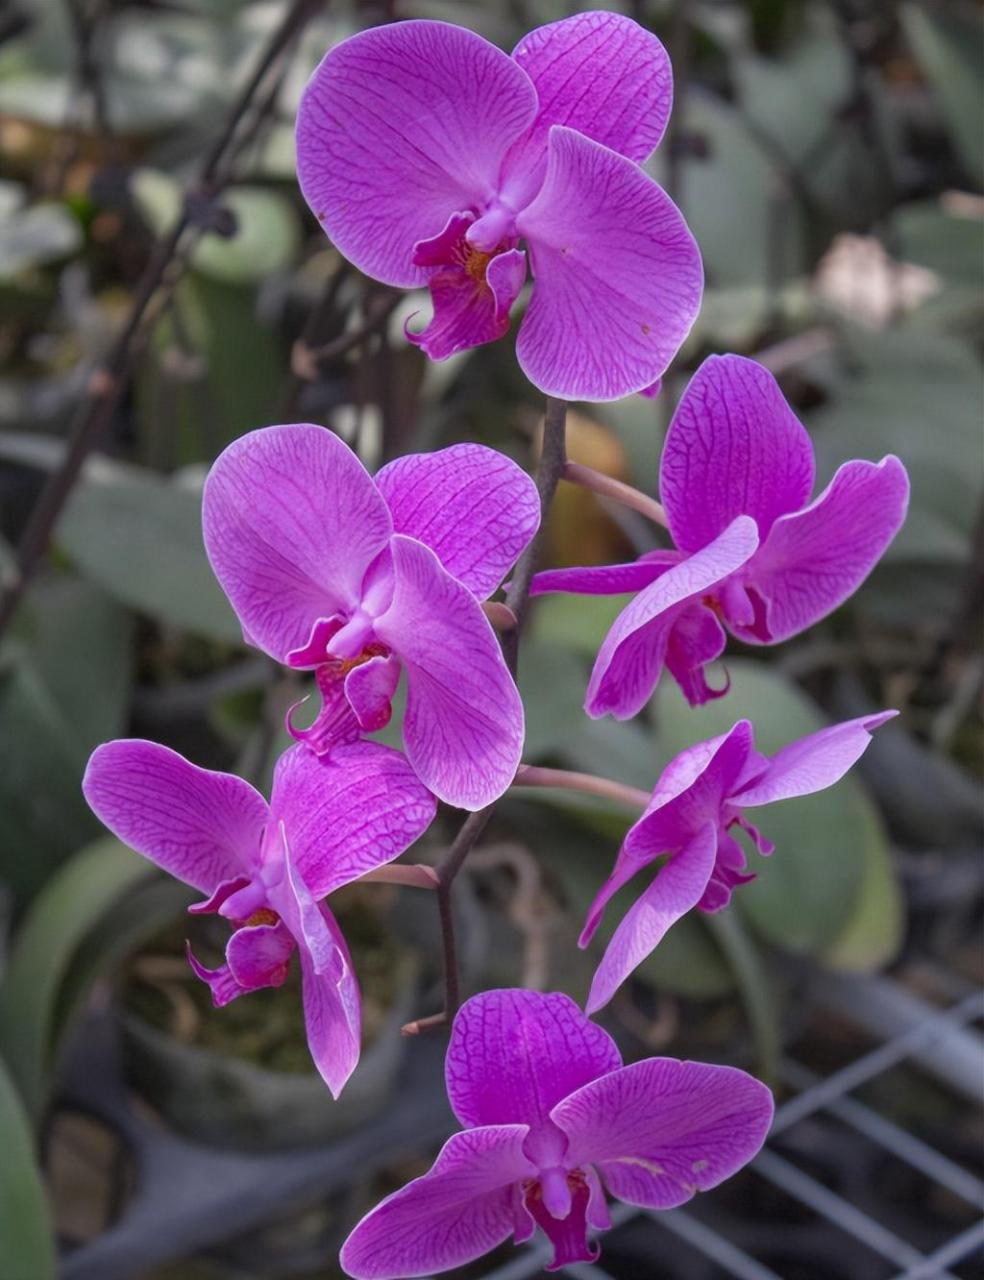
{"points": [[529, 775], [608, 487], [553, 458]]}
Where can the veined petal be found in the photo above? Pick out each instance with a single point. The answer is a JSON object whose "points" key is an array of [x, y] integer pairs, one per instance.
{"points": [[734, 448], [678, 887], [695, 639], [605, 579], [514, 1054], [400, 126], [463, 727], [689, 795], [369, 690], [599, 73], [259, 955], [812, 763], [474, 507], [617, 276], [814, 559], [199, 826], [332, 1010], [347, 813], [460, 1209], [661, 1130], [472, 295], [632, 655], [220, 981], [292, 521]]}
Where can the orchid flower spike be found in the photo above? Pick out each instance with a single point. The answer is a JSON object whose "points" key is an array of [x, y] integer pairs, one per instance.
{"points": [[355, 578], [700, 796], [755, 555], [265, 868], [551, 1119], [428, 155]]}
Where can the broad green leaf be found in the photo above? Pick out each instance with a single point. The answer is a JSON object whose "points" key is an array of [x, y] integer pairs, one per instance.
{"points": [[884, 399], [949, 46], [808, 890], [139, 536], [80, 640], [873, 934], [689, 962], [575, 623], [71, 904], [41, 762], [26, 1230], [730, 193], [551, 681]]}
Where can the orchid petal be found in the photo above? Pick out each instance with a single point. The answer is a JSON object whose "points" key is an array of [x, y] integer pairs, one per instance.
{"points": [[471, 302], [369, 690], [220, 981], [606, 579], [463, 727], [734, 448], [632, 655], [201, 827], [399, 126], [259, 955], [514, 1054], [661, 1130], [599, 73], [617, 275], [812, 763], [814, 559], [678, 887], [695, 639], [347, 813], [332, 1009], [461, 1208], [689, 794], [691, 790], [292, 521], [475, 509]]}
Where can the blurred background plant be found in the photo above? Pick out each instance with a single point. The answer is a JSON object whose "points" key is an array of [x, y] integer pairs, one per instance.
{"points": [[162, 290]]}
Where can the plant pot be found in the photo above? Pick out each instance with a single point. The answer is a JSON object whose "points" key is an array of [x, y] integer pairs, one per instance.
{"points": [[225, 1099]]}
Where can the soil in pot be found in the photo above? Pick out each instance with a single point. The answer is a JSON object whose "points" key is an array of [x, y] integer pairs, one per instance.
{"points": [[242, 1076]]}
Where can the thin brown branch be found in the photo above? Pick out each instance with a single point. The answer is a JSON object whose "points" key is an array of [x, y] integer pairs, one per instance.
{"points": [[111, 380]]}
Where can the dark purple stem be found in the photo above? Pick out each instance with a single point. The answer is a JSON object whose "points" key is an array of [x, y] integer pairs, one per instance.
{"points": [[553, 458]]}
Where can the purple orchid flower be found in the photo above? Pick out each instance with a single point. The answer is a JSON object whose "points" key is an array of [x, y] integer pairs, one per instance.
{"points": [[551, 1117], [755, 555], [700, 796], [266, 867], [332, 571], [428, 155]]}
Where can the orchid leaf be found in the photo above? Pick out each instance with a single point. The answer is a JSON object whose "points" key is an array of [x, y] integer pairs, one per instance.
{"points": [[41, 761], [25, 1219], [949, 46], [70, 905]]}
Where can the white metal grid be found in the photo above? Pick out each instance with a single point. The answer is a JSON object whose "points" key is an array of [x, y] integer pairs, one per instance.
{"points": [[830, 1095]]}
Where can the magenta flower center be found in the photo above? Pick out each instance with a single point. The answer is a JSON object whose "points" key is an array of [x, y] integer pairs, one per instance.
{"points": [[558, 1204]]}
